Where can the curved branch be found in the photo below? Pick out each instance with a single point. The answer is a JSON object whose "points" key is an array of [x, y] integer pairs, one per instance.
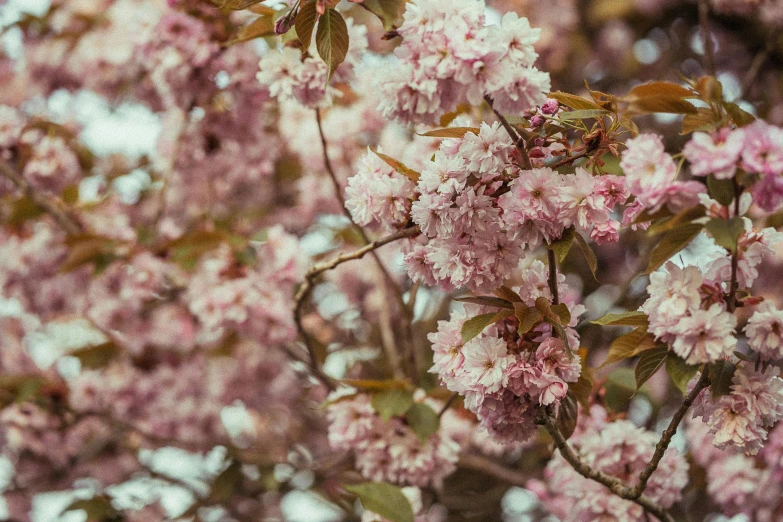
{"points": [[615, 485]]}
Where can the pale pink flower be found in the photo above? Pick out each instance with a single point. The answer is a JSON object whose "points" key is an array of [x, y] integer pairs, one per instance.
{"points": [[765, 331], [716, 153], [705, 336], [763, 151], [486, 360]]}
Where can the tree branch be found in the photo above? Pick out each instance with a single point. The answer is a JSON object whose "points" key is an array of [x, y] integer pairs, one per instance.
{"points": [[519, 143], [51, 205], [568, 160], [668, 433], [553, 276], [704, 24], [490, 467], [615, 485]]}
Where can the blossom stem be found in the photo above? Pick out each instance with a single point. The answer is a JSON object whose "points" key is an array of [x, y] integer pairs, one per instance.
{"points": [[553, 276], [618, 487], [51, 205], [704, 24], [519, 143], [668, 433], [448, 404], [731, 303], [568, 160]]}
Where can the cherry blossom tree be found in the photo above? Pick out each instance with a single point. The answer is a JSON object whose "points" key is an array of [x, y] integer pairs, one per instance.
{"points": [[390, 260]]}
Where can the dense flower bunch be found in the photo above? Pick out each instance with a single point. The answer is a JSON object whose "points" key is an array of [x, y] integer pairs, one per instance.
{"points": [[620, 449], [503, 375], [449, 55]]}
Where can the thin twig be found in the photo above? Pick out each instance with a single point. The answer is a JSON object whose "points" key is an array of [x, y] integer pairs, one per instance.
{"points": [[704, 24], [568, 160], [49, 204], [731, 302], [519, 143], [668, 433], [615, 485], [755, 67], [490, 467], [448, 404], [307, 287]]}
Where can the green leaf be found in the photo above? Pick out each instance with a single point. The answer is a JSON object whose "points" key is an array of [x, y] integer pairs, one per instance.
{"points": [[721, 190], [423, 420], [305, 23], [633, 318], [562, 312], [451, 132], [528, 317], [665, 104], [582, 388], [743, 356], [563, 245], [486, 300], [261, 26], [331, 39], [227, 483], [97, 509], [649, 364], [721, 375], [686, 216], [620, 387], [98, 356], [383, 499], [674, 241], [475, 325], [376, 385], [680, 371], [392, 403], [630, 345], [582, 114], [561, 334], [399, 167], [739, 116], [567, 414], [388, 11], [726, 232], [574, 102], [587, 251]]}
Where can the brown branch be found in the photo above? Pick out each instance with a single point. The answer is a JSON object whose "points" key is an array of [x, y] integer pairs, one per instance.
{"points": [[553, 276], [755, 67], [704, 24], [668, 433], [519, 143], [307, 287], [614, 484], [490, 467], [568, 160], [448, 404], [49, 204], [731, 303]]}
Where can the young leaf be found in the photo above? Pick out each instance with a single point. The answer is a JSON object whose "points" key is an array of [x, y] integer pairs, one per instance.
{"points": [[680, 371], [376, 385], [450, 132], [392, 403], [563, 245], [398, 166], [475, 325], [702, 120], [97, 356], [674, 241], [665, 104], [721, 190], [567, 414], [739, 116], [649, 364], [331, 39], [261, 26], [633, 318], [423, 420], [665, 89], [721, 375], [388, 11], [528, 317], [630, 345], [508, 294], [574, 102], [385, 499], [305, 22], [486, 300], [582, 114], [725, 232], [686, 216], [587, 251]]}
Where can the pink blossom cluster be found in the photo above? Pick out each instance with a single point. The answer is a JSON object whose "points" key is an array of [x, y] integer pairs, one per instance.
{"points": [[651, 177], [389, 450], [742, 418], [478, 211], [756, 148], [378, 196], [449, 55], [505, 376], [619, 449], [289, 73], [741, 484]]}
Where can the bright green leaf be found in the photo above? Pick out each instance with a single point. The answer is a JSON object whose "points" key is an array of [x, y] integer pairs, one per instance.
{"points": [[392, 403], [680, 371], [384, 499], [475, 325]]}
